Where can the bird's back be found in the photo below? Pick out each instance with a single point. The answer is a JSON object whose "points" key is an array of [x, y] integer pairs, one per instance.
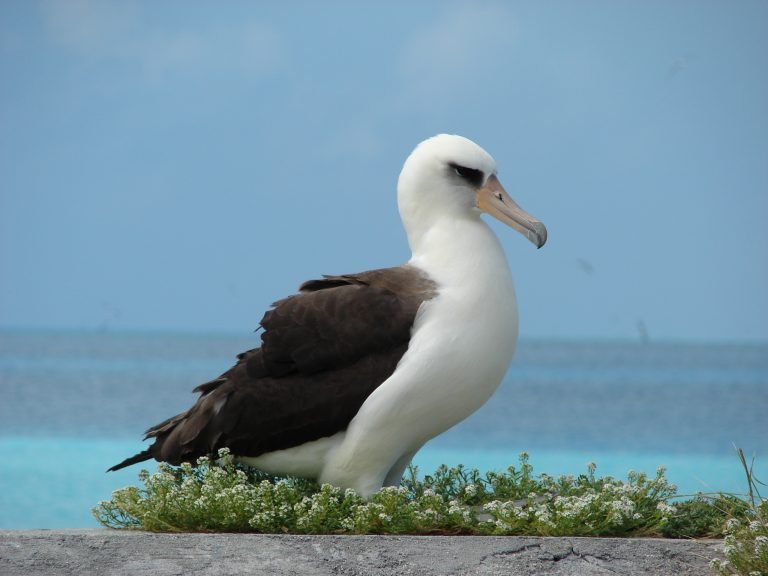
{"points": [[319, 361]]}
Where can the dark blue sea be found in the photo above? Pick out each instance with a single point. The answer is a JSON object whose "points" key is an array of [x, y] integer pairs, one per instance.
{"points": [[73, 404]]}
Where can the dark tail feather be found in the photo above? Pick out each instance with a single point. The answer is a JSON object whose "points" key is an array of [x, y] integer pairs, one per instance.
{"points": [[140, 457]]}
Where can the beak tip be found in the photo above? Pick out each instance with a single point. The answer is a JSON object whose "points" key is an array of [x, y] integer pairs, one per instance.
{"points": [[539, 234]]}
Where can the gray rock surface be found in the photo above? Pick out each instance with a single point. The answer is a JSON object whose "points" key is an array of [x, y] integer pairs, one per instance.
{"points": [[122, 553]]}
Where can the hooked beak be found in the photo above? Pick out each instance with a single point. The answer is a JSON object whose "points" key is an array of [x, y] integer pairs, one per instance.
{"points": [[494, 200]]}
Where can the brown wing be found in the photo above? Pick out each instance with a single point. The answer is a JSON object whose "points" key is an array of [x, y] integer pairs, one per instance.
{"points": [[323, 352]]}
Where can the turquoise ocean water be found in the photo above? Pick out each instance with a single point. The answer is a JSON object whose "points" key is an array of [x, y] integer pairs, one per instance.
{"points": [[74, 404]]}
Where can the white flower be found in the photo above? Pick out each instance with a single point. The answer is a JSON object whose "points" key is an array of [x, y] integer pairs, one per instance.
{"points": [[761, 543], [384, 517], [470, 489], [572, 506], [665, 509], [730, 545], [348, 524], [542, 515], [501, 525], [623, 506], [755, 525]]}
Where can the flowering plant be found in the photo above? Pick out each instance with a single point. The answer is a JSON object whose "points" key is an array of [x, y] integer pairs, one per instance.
{"points": [[223, 496], [746, 538]]}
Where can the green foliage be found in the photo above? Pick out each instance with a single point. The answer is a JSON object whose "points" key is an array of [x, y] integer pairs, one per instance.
{"points": [[746, 535], [213, 496], [703, 516], [222, 496], [584, 506]]}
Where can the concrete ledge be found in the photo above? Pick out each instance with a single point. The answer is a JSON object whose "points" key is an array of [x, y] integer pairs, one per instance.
{"points": [[121, 553]]}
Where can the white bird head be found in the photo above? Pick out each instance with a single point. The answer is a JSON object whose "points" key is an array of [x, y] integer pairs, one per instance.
{"points": [[449, 176]]}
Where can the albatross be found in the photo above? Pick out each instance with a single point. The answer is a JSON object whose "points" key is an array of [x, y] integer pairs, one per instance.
{"points": [[355, 373]]}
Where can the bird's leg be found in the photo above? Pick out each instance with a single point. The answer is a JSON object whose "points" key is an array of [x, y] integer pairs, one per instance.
{"points": [[395, 474]]}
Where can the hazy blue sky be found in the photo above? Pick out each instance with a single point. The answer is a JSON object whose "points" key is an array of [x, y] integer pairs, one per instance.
{"points": [[181, 165]]}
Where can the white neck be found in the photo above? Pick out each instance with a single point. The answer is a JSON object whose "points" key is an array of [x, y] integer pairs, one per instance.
{"points": [[461, 251]]}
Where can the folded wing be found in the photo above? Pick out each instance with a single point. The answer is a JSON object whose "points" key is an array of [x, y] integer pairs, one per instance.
{"points": [[324, 350]]}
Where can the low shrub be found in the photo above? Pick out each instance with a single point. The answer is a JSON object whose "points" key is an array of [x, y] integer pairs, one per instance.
{"points": [[223, 496]]}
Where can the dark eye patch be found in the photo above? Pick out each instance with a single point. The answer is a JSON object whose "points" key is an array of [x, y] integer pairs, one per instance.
{"points": [[471, 175]]}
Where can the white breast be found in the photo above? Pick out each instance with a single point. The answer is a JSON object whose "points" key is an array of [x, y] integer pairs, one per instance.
{"points": [[461, 346]]}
